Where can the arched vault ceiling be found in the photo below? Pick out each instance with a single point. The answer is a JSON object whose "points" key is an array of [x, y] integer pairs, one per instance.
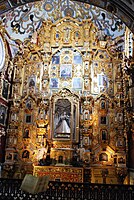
{"points": [[22, 21], [124, 9]]}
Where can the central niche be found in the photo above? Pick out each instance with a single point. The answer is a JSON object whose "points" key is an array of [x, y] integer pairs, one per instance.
{"points": [[65, 116], [62, 119]]}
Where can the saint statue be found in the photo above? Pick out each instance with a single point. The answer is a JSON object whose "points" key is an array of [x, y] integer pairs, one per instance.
{"points": [[67, 33], [42, 152], [63, 124]]}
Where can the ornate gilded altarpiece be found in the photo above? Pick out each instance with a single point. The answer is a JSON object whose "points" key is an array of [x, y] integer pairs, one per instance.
{"points": [[68, 110]]}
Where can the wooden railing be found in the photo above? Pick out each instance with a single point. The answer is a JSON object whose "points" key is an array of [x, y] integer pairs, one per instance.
{"points": [[10, 189]]}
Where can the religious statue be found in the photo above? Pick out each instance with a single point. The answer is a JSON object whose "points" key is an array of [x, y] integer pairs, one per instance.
{"points": [[67, 33], [63, 124], [42, 152]]}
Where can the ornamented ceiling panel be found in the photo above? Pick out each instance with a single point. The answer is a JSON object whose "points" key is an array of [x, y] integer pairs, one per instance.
{"points": [[124, 9], [24, 20]]}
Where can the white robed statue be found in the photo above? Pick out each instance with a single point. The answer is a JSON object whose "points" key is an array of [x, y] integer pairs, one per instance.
{"points": [[42, 152], [63, 124]]}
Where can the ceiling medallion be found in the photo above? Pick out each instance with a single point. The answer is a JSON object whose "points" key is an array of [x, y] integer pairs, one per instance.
{"points": [[86, 6], [69, 12], [48, 7]]}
